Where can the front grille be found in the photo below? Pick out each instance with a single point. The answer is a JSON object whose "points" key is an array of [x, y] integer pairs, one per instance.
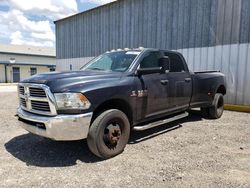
{"points": [[21, 90], [35, 98], [40, 105], [37, 92], [23, 102]]}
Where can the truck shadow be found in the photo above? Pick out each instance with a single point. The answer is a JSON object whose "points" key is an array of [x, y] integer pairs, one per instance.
{"points": [[37, 151], [42, 152]]}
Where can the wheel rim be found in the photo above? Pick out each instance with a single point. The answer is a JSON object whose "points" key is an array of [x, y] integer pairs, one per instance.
{"points": [[220, 106], [112, 135]]}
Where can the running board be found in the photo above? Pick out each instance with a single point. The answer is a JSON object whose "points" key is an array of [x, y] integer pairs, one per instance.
{"points": [[161, 122]]}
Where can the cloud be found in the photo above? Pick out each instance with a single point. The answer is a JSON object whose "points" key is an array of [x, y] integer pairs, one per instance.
{"points": [[18, 39], [98, 2], [31, 22], [53, 9], [3, 2]]}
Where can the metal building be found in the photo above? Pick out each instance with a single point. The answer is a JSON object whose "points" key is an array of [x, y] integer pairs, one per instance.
{"points": [[212, 34], [18, 62]]}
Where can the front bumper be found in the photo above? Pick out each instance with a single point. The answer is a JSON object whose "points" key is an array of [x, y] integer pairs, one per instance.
{"points": [[60, 127]]}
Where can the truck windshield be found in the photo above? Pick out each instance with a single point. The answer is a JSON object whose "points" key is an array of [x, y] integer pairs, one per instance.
{"points": [[118, 61]]}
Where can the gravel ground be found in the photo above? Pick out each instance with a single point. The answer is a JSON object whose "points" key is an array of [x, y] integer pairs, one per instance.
{"points": [[189, 153], [8, 88]]}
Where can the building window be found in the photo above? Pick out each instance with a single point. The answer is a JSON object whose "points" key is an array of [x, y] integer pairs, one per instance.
{"points": [[52, 69], [33, 71]]}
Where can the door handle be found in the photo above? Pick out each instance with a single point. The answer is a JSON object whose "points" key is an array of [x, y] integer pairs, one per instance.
{"points": [[164, 82], [187, 79]]}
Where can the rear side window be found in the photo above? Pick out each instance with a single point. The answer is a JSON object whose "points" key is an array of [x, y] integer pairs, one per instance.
{"points": [[151, 60], [176, 63]]}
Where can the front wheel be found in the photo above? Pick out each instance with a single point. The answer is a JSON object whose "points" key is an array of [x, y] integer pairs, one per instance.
{"points": [[109, 134]]}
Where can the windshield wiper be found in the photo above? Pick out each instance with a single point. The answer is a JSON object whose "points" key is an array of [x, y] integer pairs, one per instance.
{"points": [[95, 68]]}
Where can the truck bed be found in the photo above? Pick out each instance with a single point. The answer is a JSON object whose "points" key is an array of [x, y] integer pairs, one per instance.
{"points": [[209, 71]]}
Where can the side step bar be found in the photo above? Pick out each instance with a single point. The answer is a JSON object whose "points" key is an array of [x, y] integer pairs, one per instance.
{"points": [[161, 122]]}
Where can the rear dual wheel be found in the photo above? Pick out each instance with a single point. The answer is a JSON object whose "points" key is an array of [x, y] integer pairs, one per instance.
{"points": [[109, 134], [217, 108]]}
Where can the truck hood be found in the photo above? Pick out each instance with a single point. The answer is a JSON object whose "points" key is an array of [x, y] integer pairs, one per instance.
{"points": [[68, 81]]}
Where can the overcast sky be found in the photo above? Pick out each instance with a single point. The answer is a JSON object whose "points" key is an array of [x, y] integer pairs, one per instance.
{"points": [[30, 22]]}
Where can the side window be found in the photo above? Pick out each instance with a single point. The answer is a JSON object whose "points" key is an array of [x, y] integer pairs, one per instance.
{"points": [[176, 63], [151, 60]]}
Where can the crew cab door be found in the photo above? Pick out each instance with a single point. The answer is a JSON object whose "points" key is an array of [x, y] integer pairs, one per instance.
{"points": [[152, 98], [180, 83]]}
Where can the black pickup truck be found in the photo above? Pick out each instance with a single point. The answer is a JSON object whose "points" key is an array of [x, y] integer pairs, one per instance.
{"points": [[114, 93]]}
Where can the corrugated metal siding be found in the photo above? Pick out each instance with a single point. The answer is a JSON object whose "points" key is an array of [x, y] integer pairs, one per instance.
{"points": [[232, 60], [245, 22], [171, 24], [212, 34]]}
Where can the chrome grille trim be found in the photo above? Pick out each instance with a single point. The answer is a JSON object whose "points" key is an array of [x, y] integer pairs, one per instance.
{"points": [[40, 105], [37, 92], [36, 98], [21, 90], [22, 102]]}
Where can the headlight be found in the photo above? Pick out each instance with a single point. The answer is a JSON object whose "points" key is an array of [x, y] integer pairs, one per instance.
{"points": [[71, 101]]}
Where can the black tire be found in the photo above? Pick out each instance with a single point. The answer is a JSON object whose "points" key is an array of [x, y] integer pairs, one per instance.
{"points": [[205, 112], [217, 108], [109, 134]]}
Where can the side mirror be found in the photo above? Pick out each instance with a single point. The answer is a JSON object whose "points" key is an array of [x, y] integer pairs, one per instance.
{"points": [[144, 71], [164, 62]]}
